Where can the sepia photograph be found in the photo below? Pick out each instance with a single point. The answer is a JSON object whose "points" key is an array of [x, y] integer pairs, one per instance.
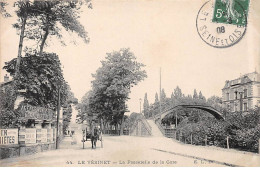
{"points": [[129, 83]]}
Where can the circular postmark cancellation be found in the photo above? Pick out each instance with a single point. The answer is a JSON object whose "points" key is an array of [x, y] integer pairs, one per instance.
{"points": [[222, 23]]}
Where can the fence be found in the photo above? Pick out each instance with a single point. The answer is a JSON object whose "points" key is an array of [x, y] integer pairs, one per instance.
{"points": [[205, 140], [115, 132], [167, 131], [24, 141]]}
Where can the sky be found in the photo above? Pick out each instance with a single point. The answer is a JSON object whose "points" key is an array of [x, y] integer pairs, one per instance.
{"points": [[161, 34]]}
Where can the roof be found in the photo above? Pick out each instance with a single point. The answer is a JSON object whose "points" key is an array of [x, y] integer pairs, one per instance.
{"points": [[246, 78], [2, 84]]}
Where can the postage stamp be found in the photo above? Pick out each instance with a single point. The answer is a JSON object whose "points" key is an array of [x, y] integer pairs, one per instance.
{"points": [[222, 23]]}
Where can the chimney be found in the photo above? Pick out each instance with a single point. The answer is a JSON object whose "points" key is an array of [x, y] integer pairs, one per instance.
{"points": [[6, 78]]}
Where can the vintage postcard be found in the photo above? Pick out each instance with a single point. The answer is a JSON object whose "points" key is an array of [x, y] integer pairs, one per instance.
{"points": [[129, 83]]}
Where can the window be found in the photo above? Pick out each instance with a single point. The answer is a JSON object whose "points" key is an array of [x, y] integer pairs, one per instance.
{"points": [[235, 94], [245, 93], [245, 106]]}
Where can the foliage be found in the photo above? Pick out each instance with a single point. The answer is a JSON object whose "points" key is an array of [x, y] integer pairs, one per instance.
{"points": [[67, 113], [112, 84], [48, 17], [8, 117], [83, 108], [40, 77], [163, 96], [3, 11]]}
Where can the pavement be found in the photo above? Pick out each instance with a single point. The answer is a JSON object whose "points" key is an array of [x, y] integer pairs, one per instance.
{"points": [[156, 150]]}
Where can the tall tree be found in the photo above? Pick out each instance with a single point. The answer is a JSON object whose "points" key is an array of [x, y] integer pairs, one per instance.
{"points": [[177, 93], [113, 82], [23, 12], [146, 106], [53, 14], [163, 96], [195, 94], [156, 98], [201, 97]]}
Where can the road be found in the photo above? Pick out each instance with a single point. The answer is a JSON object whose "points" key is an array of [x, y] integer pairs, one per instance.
{"points": [[135, 151]]}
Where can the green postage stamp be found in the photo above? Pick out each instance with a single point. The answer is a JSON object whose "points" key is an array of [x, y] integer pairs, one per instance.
{"points": [[231, 12], [222, 23]]}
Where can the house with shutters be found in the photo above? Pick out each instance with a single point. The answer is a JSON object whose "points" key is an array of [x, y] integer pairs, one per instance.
{"points": [[242, 93]]}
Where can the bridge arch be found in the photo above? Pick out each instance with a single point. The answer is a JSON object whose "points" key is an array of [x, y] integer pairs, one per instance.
{"points": [[218, 115]]}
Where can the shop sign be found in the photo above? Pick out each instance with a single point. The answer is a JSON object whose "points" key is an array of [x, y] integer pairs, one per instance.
{"points": [[43, 136], [49, 135], [34, 112], [30, 135], [8, 136]]}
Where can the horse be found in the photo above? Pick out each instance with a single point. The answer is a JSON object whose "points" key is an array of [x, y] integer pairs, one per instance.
{"points": [[94, 138]]}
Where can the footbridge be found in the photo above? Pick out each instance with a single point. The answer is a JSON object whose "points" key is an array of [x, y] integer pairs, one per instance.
{"points": [[217, 114]]}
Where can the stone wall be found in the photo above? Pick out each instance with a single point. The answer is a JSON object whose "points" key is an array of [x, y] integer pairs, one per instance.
{"points": [[21, 150]]}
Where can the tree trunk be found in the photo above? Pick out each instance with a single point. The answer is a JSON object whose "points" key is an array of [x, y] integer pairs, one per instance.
{"points": [[18, 62], [44, 40], [121, 127], [19, 57]]}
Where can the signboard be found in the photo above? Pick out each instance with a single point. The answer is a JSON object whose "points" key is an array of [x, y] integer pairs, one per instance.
{"points": [[43, 136], [34, 112], [30, 135], [50, 135], [8, 136]]}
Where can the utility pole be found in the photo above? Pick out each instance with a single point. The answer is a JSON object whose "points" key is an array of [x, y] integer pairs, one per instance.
{"points": [[58, 119], [160, 93]]}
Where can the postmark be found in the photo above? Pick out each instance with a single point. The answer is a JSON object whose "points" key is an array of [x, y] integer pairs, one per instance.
{"points": [[222, 23]]}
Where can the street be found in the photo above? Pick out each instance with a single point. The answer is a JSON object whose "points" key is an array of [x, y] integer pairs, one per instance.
{"points": [[134, 151], [117, 151]]}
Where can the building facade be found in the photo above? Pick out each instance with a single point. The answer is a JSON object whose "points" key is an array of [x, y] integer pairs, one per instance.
{"points": [[36, 131], [243, 93]]}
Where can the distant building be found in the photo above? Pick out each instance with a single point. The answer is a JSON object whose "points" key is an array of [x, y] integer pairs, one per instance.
{"points": [[243, 93]]}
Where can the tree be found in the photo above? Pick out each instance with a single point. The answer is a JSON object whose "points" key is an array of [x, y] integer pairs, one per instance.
{"points": [[67, 114], [195, 94], [163, 96], [201, 97], [177, 93], [3, 11], [156, 98], [43, 15], [84, 108], [50, 16], [41, 78], [8, 117], [23, 12], [113, 82], [146, 106]]}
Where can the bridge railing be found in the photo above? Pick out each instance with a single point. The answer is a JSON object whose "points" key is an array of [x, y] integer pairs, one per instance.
{"points": [[167, 131], [160, 127], [170, 133]]}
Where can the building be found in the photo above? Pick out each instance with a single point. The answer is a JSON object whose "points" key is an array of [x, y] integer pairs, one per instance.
{"points": [[243, 93], [36, 131]]}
